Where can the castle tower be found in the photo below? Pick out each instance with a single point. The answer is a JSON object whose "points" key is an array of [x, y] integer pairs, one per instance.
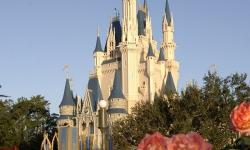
{"points": [[67, 130], [169, 45], [117, 103], [67, 107], [150, 72], [98, 55], [130, 55]]}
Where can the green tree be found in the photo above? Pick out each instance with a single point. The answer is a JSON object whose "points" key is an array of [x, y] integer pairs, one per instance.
{"points": [[26, 121], [204, 109]]}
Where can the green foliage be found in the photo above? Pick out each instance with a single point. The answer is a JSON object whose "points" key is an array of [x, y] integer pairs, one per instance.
{"points": [[242, 143], [24, 122], [205, 110]]}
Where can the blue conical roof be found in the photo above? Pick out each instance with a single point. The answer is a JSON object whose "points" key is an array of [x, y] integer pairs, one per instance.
{"points": [[68, 96], [96, 93], [117, 87], [168, 13], [170, 86], [150, 51], [162, 55], [98, 47]]}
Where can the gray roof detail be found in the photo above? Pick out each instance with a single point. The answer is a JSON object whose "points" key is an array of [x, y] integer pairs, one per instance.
{"points": [[162, 55], [98, 46], [150, 51], [68, 96], [170, 87], [95, 95], [117, 111], [168, 13], [117, 91]]}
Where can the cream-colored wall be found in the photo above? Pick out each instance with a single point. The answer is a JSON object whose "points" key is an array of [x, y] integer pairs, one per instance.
{"points": [[118, 103], [107, 78], [67, 110]]}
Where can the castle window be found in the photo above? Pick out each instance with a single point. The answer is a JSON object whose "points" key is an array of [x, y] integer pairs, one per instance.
{"points": [[91, 125]]}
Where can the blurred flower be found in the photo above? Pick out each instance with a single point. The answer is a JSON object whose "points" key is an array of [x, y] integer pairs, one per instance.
{"points": [[190, 141], [155, 141], [240, 118]]}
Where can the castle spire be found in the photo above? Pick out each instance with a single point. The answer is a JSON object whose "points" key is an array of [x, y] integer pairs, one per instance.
{"points": [[98, 47], [168, 13], [170, 86], [150, 51], [117, 91], [68, 95], [162, 55]]}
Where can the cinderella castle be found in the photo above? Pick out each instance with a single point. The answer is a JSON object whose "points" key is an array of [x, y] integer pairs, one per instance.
{"points": [[128, 69]]}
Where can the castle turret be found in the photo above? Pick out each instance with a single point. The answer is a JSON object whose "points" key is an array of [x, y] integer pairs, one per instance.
{"points": [[129, 52], [98, 55], [150, 71], [118, 106], [169, 45], [168, 13], [168, 33], [67, 107]]}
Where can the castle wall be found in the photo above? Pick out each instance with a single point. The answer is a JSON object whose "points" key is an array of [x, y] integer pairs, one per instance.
{"points": [[107, 78]]}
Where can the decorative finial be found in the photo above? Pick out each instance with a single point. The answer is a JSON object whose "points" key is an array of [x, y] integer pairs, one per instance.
{"points": [[98, 31], [66, 70]]}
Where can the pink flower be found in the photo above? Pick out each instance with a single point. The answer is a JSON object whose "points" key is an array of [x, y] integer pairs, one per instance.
{"points": [[190, 141], [240, 118], [155, 141]]}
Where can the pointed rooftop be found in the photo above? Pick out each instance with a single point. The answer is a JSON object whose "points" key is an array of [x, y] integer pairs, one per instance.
{"points": [[98, 46], [95, 94], [68, 99], [170, 86], [117, 87], [162, 55], [168, 13], [150, 51]]}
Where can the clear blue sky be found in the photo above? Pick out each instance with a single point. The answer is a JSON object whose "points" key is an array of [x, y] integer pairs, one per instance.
{"points": [[38, 37]]}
